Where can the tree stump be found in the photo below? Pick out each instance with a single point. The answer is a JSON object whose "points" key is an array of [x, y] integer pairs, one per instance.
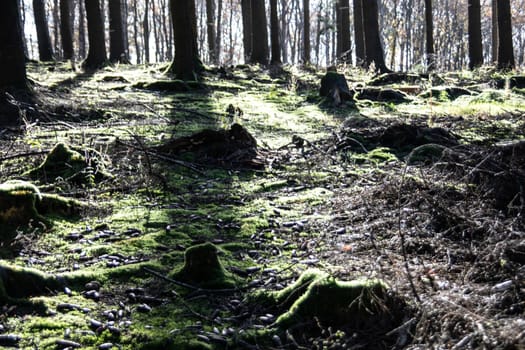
{"points": [[335, 88]]}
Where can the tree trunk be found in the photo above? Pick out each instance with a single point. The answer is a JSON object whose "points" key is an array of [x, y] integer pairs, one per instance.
{"points": [[210, 26], [81, 30], [12, 62], [186, 64], [12, 58], [505, 47], [97, 44], [65, 30], [495, 34], [359, 33], [218, 39], [45, 50], [117, 50], [306, 32], [145, 28], [259, 33], [274, 34], [429, 31], [475, 48], [343, 31], [246, 6], [373, 48]]}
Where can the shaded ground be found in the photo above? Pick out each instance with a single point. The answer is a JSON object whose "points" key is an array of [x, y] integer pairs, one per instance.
{"points": [[426, 195]]}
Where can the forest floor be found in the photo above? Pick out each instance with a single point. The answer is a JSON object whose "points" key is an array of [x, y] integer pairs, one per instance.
{"points": [[426, 195]]}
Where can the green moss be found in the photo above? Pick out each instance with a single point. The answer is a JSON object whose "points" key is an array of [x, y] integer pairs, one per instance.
{"points": [[203, 268], [17, 203], [287, 296], [17, 283], [336, 303]]}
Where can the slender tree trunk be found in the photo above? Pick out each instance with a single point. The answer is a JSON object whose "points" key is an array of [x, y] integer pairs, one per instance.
{"points": [[247, 28], [186, 65], [495, 34], [97, 44], [306, 32], [210, 26], [274, 31], [138, 49], [81, 30], [45, 50], [260, 33], [429, 30], [373, 48], [359, 33], [475, 48], [505, 47], [65, 30], [125, 32], [145, 28], [218, 39], [56, 29]]}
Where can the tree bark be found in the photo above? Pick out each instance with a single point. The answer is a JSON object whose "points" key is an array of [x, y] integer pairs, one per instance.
{"points": [[246, 6], [65, 30], [373, 49], [475, 48], [343, 31], [210, 26], [259, 33], [505, 47], [495, 34], [117, 49], [429, 34], [306, 32], [13, 77], [97, 44], [274, 34], [45, 50], [359, 33], [218, 39], [81, 30], [186, 65], [145, 28], [12, 58]]}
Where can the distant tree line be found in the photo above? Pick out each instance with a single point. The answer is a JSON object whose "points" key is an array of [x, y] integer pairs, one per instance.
{"points": [[413, 34]]}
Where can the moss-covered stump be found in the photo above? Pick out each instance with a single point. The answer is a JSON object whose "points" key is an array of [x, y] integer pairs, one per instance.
{"points": [[202, 268], [335, 88], [22, 204], [382, 95], [80, 166], [18, 283], [18, 203], [357, 304], [317, 300]]}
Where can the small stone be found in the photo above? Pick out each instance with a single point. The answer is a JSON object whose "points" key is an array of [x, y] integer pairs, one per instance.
{"points": [[68, 343], [144, 308], [93, 285], [106, 346]]}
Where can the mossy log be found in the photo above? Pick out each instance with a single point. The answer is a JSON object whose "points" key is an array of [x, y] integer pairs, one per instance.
{"points": [[446, 92], [170, 85], [202, 268], [70, 164]]}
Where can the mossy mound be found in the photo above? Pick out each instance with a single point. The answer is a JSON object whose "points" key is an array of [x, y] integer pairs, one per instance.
{"points": [[202, 268], [80, 166], [18, 283], [22, 203]]}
